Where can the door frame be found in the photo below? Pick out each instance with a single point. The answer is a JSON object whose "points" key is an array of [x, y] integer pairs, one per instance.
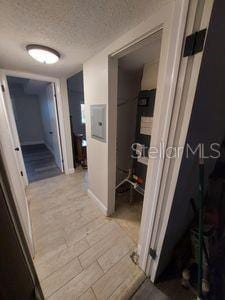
{"points": [[19, 234], [173, 22], [171, 19], [198, 18], [58, 106], [59, 137], [13, 171]]}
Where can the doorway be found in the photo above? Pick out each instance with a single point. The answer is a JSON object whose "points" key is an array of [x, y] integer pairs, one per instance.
{"points": [[136, 90], [35, 115]]}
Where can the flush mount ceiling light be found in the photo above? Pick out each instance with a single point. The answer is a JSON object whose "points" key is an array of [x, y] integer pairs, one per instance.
{"points": [[43, 54]]}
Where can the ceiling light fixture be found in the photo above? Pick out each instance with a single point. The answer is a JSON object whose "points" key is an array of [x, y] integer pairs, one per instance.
{"points": [[43, 54]]}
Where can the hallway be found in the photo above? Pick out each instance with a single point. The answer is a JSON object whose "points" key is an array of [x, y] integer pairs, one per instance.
{"points": [[80, 254]]}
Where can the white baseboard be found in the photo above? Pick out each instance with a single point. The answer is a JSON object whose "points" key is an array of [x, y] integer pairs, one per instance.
{"points": [[69, 171], [32, 143], [98, 202]]}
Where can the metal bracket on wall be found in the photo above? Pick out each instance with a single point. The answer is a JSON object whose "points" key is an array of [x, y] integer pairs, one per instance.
{"points": [[194, 43], [152, 253]]}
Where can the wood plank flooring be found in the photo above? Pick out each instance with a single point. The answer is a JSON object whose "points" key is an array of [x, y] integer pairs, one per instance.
{"points": [[80, 254], [39, 162]]}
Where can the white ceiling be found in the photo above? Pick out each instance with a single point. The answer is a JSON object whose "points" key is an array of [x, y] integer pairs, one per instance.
{"points": [[146, 52], [76, 28]]}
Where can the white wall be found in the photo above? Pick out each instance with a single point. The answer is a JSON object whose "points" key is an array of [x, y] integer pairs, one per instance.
{"points": [[97, 90], [27, 115]]}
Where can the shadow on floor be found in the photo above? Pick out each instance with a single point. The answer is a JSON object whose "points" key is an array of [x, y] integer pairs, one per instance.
{"points": [[128, 214], [39, 162], [169, 283], [149, 291]]}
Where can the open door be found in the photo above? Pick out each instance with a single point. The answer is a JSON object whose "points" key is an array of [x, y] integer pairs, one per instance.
{"points": [[54, 130], [13, 166], [12, 123], [157, 211], [14, 253]]}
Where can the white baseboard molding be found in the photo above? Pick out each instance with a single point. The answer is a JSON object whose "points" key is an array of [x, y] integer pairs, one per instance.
{"points": [[69, 171], [98, 202], [32, 143]]}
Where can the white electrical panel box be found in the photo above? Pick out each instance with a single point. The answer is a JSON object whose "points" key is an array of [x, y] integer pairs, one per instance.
{"points": [[98, 120]]}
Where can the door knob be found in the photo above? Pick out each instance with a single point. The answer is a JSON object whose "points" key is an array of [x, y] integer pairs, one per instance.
{"points": [[17, 149]]}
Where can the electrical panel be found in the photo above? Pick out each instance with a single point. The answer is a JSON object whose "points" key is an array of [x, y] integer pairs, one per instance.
{"points": [[98, 122]]}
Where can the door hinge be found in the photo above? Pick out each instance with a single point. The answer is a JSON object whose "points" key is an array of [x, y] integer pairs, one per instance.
{"points": [[194, 43], [21, 173], [152, 253], [3, 88]]}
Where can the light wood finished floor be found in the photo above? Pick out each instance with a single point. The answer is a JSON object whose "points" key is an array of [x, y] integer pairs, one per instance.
{"points": [[80, 254]]}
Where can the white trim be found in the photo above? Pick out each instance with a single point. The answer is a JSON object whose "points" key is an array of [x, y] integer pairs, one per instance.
{"points": [[161, 127], [98, 202], [32, 143], [58, 149], [29, 75], [62, 125], [69, 171], [158, 224], [11, 162], [7, 102], [171, 19]]}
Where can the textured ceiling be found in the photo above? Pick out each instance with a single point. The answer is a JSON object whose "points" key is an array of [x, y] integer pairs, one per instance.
{"points": [[76, 28], [149, 52]]}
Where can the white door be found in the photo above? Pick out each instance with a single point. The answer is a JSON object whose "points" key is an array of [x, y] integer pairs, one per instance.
{"points": [[12, 123], [54, 126], [13, 167]]}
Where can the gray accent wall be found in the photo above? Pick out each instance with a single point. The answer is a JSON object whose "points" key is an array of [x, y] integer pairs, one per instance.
{"points": [[27, 115]]}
